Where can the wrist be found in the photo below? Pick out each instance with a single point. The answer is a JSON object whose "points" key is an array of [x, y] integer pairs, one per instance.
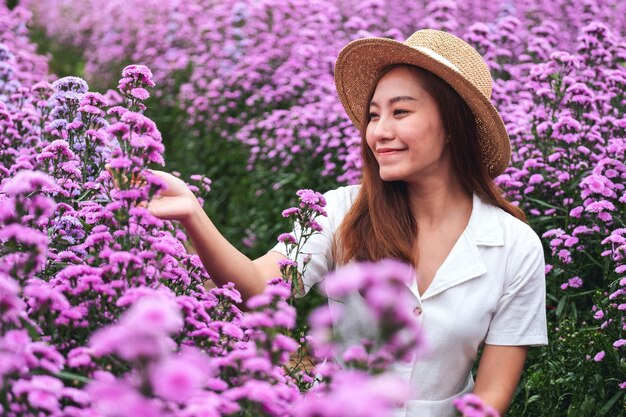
{"points": [[194, 216]]}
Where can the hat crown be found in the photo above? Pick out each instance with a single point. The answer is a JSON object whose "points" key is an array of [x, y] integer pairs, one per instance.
{"points": [[464, 59]]}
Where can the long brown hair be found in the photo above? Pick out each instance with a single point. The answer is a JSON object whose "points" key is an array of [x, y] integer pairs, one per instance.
{"points": [[380, 223]]}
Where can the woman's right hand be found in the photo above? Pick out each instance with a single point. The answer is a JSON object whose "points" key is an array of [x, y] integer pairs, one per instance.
{"points": [[175, 202]]}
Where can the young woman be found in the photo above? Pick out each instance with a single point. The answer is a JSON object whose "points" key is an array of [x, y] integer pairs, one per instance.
{"points": [[431, 144]]}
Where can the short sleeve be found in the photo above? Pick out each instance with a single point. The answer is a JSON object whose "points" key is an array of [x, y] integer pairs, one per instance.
{"points": [[320, 245], [520, 316]]}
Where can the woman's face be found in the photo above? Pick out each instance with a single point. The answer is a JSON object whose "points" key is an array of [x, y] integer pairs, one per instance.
{"points": [[405, 131]]}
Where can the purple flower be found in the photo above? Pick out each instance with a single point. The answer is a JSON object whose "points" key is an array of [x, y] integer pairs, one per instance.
{"points": [[290, 211], [535, 179], [367, 396], [619, 343], [471, 405], [287, 238], [130, 343], [140, 73], [287, 263], [232, 330], [25, 182], [599, 356], [311, 197], [94, 99], [315, 226], [155, 315], [576, 212], [356, 354], [43, 356], [113, 398], [352, 277], [74, 84], [117, 111], [598, 206], [79, 357], [575, 282], [139, 123], [142, 332], [177, 378], [43, 392], [139, 93], [11, 304], [565, 256], [380, 289]]}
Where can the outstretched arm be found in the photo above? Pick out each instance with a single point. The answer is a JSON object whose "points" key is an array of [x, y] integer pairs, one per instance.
{"points": [[223, 261]]}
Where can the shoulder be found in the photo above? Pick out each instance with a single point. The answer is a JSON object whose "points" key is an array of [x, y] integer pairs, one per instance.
{"points": [[338, 202], [341, 199], [494, 227], [523, 254], [517, 233]]}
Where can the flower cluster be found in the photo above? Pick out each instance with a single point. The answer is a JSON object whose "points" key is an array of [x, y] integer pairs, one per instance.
{"points": [[371, 319], [568, 174], [388, 334], [303, 217], [470, 405], [258, 74], [102, 309]]}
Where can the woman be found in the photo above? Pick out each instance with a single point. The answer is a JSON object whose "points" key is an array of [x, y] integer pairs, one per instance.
{"points": [[431, 144]]}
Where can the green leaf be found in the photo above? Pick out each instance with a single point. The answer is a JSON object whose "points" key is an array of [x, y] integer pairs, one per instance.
{"points": [[561, 306], [543, 203], [68, 376], [533, 398], [607, 407], [32, 332]]}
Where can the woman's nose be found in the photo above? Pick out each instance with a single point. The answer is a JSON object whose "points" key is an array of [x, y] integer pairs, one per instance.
{"points": [[383, 128]]}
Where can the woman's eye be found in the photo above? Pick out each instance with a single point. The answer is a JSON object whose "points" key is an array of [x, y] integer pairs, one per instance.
{"points": [[400, 111], [372, 115]]}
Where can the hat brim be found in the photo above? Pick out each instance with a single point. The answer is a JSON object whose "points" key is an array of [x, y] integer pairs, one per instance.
{"points": [[360, 62]]}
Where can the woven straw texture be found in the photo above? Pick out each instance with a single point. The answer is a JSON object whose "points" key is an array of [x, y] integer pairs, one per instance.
{"points": [[441, 53]]}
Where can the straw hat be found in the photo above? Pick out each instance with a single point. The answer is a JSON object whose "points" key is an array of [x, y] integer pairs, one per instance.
{"points": [[452, 59]]}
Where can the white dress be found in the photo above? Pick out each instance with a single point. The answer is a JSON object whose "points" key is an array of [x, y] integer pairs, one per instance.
{"points": [[490, 289]]}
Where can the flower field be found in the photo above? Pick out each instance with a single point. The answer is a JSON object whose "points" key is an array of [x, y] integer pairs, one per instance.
{"points": [[104, 309]]}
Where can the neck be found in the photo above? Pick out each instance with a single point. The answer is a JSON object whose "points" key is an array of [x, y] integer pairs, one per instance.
{"points": [[435, 202]]}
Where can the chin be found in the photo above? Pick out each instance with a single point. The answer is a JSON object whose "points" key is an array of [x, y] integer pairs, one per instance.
{"points": [[390, 176]]}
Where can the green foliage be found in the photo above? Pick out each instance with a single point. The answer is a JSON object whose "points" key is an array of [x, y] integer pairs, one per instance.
{"points": [[12, 3], [65, 60], [563, 379]]}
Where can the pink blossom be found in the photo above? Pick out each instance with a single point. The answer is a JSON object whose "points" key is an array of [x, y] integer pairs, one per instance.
{"points": [[154, 314], [177, 378], [575, 282], [139, 93], [619, 343]]}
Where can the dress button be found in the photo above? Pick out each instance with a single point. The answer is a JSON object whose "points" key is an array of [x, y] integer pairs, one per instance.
{"points": [[417, 311]]}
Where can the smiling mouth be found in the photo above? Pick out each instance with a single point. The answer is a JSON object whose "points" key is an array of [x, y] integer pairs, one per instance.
{"points": [[384, 152]]}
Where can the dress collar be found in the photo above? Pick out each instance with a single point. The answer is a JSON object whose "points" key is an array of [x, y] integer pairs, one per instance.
{"points": [[484, 224], [464, 262]]}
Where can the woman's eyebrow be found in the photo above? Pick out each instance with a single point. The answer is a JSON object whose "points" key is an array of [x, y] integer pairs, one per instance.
{"points": [[394, 100]]}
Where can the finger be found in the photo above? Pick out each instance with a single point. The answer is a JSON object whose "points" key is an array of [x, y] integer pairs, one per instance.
{"points": [[137, 180], [153, 209], [108, 169], [158, 173]]}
